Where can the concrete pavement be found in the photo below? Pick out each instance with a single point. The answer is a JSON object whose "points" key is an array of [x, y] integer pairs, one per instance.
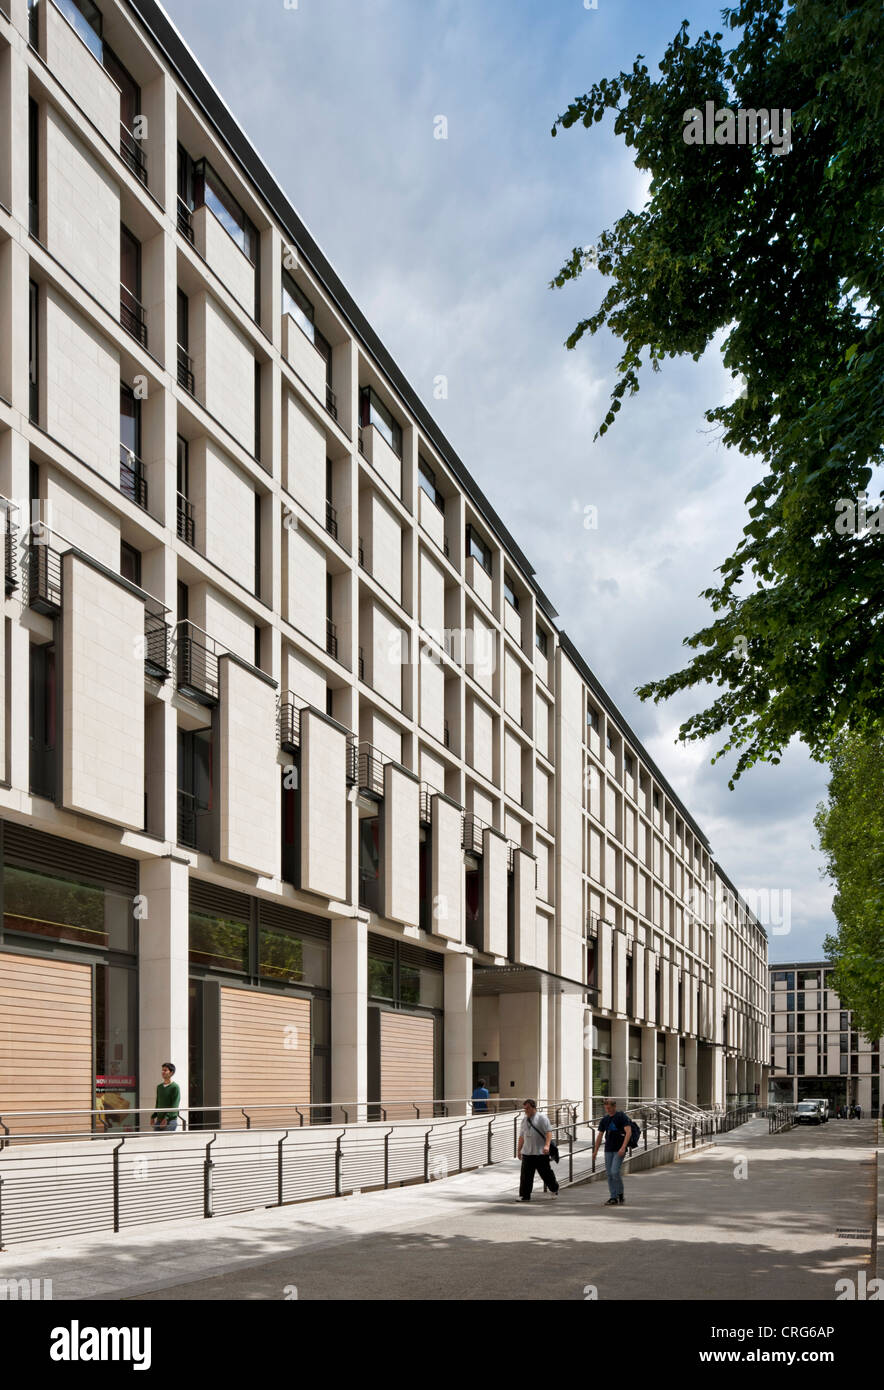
{"points": [[756, 1217]]}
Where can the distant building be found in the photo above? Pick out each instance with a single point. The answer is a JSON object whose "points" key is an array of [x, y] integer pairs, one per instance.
{"points": [[816, 1049]]}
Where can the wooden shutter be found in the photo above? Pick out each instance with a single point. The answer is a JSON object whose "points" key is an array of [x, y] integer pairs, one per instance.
{"points": [[406, 1062], [265, 1056], [45, 1041]]}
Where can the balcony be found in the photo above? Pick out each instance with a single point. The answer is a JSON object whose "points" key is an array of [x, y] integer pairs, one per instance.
{"points": [[472, 834], [370, 770], [331, 520], [186, 523], [288, 721], [132, 154], [331, 402], [11, 512], [44, 579], [426, 803], [132, 315], [156, 640], [196, 662], [331, 638], [352, 760], [185, 371], [185, 221], [133, 483]]}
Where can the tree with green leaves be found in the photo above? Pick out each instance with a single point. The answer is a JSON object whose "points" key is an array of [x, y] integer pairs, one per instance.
{"points": [[851, 831], [779, 250]]}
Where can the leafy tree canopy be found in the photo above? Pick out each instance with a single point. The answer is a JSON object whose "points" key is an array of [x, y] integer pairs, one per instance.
{"points": [[781, 252], [851, 830]]}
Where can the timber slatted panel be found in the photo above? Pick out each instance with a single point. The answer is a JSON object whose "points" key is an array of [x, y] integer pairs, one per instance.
{"points": [[406, 1063], [45, 1041], [265, 1056]]}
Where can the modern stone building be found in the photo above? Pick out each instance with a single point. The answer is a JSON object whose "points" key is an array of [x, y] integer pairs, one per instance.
{"points": [[301, 786], [816, 1050]]}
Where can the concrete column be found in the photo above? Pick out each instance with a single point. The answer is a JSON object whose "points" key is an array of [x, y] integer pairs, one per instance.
{"points": [[690, 1066], [731, 1081], [163, 970], [672, 1087], [620, 1058], [349, 1011], [649, 1062], [741, 1079], [571, 1047], [458, 1039], [587, 1064], [719, 1089]]}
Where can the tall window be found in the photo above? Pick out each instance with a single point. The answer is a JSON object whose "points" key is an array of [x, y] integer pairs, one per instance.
{"points": [[509, 593], [33, 351], [478, 549], [372, 411], [33, 168], [426, 479], [43, 720], [86, 19], [130, 421], [209, 190], [131, 310]]}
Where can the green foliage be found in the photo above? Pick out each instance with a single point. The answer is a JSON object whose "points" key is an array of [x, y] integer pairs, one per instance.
{"points": [[851, 831], [781, 255]]}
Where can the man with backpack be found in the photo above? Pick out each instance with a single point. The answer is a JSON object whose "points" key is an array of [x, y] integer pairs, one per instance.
{"points": [[616, 1127]]}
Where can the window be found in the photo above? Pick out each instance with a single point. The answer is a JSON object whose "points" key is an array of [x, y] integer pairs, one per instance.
{"points": [[33, 168], [86, 20], [257, 410], [131, 308], [592, 718], [372, 411], [221, 943], [40, 902], [609, 743], [629, 764], [130, 421], [426, 480], [43, 720], [33, 350], [479, 549], [130, 563], [509, 593], [369, 862], [195, 787], [296, 304], [541, 641], [656, 800], [257, 548], [210, 191]]}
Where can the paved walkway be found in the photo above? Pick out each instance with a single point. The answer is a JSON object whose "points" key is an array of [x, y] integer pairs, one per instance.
{"points": [[692, 1230]]}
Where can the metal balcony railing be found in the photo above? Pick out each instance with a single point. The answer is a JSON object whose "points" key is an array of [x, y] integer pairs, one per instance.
{"points": [[426, 797], [186, 524], [196, 662], [472, 833], [352, 760], [331, 520], [511, 848], [362, 663], [132, 315], [10, 510], [288, 722], [371, 769], [361, 553], [185, 220], [132, 153], [331, 638], [185, 370], [188, 812], [156, 640], [44, 579], [133, 483], [331, 402], [446, 734]]}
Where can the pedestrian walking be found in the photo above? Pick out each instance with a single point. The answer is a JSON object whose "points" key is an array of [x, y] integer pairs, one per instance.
{"points": [[859, 1112], [616, 1129], [165, 1117], [535, 1138], [480, 1097]]}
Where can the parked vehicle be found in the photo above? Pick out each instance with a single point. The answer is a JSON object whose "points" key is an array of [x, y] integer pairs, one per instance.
{"points": [[807, 1112], [824, 1107]]}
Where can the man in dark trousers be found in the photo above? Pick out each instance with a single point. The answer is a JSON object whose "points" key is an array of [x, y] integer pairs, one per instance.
{"points": [[616, 1129], [535, 1134]]}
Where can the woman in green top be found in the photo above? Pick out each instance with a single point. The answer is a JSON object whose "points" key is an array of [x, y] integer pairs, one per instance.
{"points": [[165, 1117]]}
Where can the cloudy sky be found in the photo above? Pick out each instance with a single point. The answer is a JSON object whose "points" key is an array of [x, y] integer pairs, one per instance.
{"points": [[448, 246]]}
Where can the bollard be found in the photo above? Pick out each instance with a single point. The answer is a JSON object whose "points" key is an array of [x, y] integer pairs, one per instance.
{"points": [[116, 1157], [279, 1169], [208, 1165]]}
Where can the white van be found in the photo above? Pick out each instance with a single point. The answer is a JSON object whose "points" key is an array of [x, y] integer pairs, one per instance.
{"points": [[824, 1108]]}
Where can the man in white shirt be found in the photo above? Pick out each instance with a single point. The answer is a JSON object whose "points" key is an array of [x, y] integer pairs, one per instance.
{"points": [[535, 1134]]}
